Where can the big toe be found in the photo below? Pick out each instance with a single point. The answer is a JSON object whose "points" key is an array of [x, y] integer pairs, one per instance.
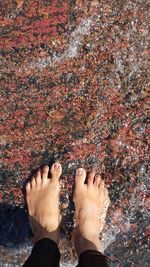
{"points": [[56, 171], [80, 177]]}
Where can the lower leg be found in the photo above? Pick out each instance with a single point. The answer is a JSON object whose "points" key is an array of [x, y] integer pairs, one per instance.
{"points": [[42, 196], [91, 204]]}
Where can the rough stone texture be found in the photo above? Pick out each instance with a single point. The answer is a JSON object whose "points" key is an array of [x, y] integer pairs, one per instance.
{"points": [[74, 88]]}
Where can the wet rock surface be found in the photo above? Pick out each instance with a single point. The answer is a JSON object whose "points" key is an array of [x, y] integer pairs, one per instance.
{"points": [[74, 88]]}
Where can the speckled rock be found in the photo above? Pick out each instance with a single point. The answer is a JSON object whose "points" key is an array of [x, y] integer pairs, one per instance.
{"points": [[74, 88]]}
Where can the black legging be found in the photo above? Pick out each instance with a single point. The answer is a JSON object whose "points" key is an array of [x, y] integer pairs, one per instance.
{"points": [[45, 253]]}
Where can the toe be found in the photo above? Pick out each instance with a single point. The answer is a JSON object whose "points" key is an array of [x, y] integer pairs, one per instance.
{"points": [[45, 171], [80, 177], [106, 192], [28, 187], [91, 178], [38, 177], [101, 185], [33, 183], [56, 171], [97, 180]]}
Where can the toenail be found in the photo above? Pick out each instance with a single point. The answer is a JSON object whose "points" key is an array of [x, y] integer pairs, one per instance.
{"points": [[56, 166], [79, 171]]}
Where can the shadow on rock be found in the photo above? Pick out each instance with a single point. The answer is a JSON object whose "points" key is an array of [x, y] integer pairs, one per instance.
{"points": [[14, 225]]}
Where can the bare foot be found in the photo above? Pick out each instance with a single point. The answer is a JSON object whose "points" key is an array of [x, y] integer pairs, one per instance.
{"points": [[42, 196], [91, 204]]}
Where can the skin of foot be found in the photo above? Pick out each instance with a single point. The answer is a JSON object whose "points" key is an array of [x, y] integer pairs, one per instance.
{"points": [[42, 197], [91, 205]]}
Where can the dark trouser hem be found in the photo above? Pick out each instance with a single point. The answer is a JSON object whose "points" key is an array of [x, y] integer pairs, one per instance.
{"points": [[93, 258], [45, 253]]}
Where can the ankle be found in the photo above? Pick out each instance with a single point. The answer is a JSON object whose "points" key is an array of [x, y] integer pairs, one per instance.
{"points": [[88, 245], [45, 234], [82, 244]]}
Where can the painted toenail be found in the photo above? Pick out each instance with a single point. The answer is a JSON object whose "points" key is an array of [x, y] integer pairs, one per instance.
{"points": [[79, 171], [56, 166]]}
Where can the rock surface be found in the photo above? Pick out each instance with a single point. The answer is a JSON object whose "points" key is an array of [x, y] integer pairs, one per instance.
{"points": [[74, 88]]}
